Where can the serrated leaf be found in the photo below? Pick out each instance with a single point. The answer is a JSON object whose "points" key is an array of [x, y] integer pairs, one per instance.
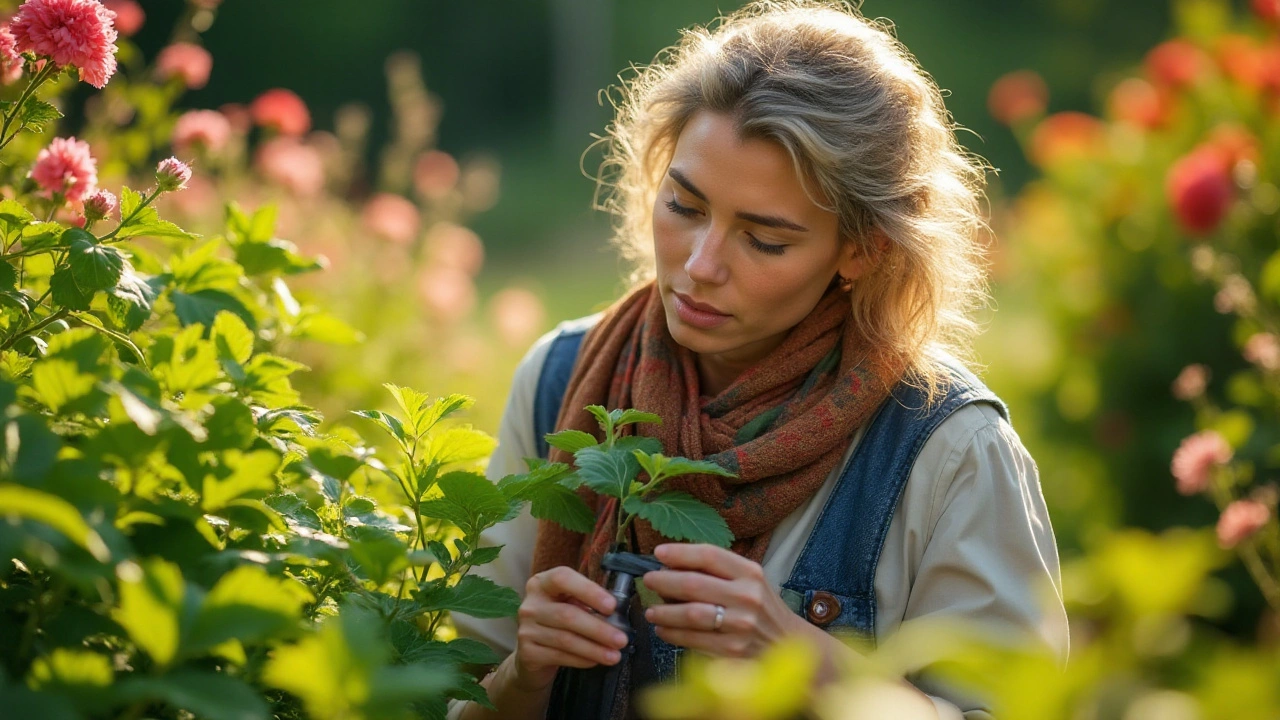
{"points": [[130, 301], [473, 595], [439, 409], [379, 553], [26, 503], [14, 216], [150, 602], [658, 464], [631, 416], [603, 417], [470, 501], [361, 511], [246, 604], [295, 510], [252, 476], [563, 506], [390, 423], [202, 306], [526, 486], [233, 339], [95, 267], [681, 516], [571, 441], [459, 445], [484, 555], [8, 276], [60, 385], [65, 292], [35, 113], [41, 235]]}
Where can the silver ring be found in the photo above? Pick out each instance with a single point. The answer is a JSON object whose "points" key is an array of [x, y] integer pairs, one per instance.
{"points": [[719, 618]]}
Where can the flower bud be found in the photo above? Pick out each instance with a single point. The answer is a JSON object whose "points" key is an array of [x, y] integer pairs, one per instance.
{"points": [[101, 204], [172, 174]]}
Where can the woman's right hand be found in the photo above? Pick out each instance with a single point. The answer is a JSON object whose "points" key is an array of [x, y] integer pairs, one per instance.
{"points": [[556, 628]]}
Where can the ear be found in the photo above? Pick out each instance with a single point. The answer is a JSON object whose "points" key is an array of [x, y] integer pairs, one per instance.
{"points": [[858, 258]]}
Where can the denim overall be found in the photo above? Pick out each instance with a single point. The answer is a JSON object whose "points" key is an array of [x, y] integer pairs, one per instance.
{"points": [[832, 584]]}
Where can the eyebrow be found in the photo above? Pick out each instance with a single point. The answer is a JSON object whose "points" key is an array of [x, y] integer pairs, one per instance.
{"points": [[772, 221]]}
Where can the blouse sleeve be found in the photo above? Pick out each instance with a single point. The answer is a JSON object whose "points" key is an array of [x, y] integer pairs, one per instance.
{"points": [[991, 559]]}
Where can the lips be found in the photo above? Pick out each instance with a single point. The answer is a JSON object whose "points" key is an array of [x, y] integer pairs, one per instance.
{"points": [[700, 306]]}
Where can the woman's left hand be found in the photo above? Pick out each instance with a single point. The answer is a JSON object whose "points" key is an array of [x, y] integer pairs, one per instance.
{"points": [[701, 579]]}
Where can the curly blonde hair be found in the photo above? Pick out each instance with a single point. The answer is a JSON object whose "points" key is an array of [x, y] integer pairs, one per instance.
{"points": [[862, 122]]}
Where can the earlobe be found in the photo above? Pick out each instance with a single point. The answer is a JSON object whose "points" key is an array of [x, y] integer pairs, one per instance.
{"points": [[857, 259]]}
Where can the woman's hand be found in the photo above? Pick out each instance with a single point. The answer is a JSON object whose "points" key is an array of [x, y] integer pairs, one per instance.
{"points": [[556, 628], [701, 579]]}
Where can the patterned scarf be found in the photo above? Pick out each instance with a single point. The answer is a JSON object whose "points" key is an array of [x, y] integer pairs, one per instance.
{"points": [[781, 426]]}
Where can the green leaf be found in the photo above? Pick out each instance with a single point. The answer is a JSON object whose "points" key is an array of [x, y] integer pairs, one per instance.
{"points": [[295, 510], [473, 595], [627, 417], [82, 346], [273, 256], [252, 475], [325, 328], [36, 113], [1269, 279], [571, 441], [26, 503], [61, 387], [232, 337], [39, 235], [95, 267], [150, 603], [422, 414], [33, 454], [527, 486], [379, 554], [603, 417], [362, 512], [459, 445], [8, 276], [484, 555], [470, 501], [202, 306], [563, 506], [79, 675], [130, 201], [681, 516], [608, 472], [66, 293], [657, 464], [390, 423], [14, 217], [209, 695], [249, 605], [130, 301]]}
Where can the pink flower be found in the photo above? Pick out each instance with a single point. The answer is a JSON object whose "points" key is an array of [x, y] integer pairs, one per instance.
{"points": [[1195, 459], [1199, 190], [1018, 96], [191, 63], [78, 33], [129, 15], [448, 293], [435, 174], [238, 116], [172, 174], [281, 110], [391, 217], [1263, 349], [1240, 520], [454, 246], [10, 59], [518, 315], [66, 166], [201, 130], [1191, 382], [101, 204], [289, 162]]}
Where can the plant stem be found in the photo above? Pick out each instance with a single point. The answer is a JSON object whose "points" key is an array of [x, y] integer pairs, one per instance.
{"points": [[35, 328], [1266, 583], [146, 200], [36, 82]]}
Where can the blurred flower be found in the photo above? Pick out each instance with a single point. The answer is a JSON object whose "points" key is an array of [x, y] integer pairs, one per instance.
{"points": [[1199, 190], [191, 63], [1263, 349], [1241, 60], [454, 246], [281, 110], [102, 204], [207, 4], [238, 116], [518, 315], [292, 164], [1195, 459], [1018, 96], [129, 15], [1176, 63], [10, 59], [448, 293], [1268, 10], [1233, 143], [201, 131], [198, 200], [1191, 382], [435, 174], [1137, 102], [1064, 136], [479, 183], [391, 217], [1240, 520], [172, 174], [1235, 295], [71, 32], [66, 166]]}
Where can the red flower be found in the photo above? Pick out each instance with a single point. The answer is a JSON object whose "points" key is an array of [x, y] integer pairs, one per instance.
{"points": [[207, 130], [10, 59], [129, 16], [191, 63], [1242, 60], [281, 110], [1065, 135], [1177, 63], [66, 166], [288, 162], [1138, 102], [1018, 96], [1268, 10], [1199, 190], [78, 33]]}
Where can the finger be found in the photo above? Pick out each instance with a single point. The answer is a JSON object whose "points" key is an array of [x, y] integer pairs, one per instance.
{"points": [[689, 586], [563, 583], [708, 559], [568, 617], [690, 616], [711, 643], [539, 656], [573, 644]]}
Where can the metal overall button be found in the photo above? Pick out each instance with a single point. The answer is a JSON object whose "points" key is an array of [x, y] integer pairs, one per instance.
{"points": [[823, 608]]}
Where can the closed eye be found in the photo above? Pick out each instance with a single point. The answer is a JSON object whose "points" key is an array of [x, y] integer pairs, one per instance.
{"points": [[680, 210]]}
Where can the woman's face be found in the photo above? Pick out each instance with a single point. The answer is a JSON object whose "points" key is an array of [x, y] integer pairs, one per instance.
{"points": [[742, 253]]}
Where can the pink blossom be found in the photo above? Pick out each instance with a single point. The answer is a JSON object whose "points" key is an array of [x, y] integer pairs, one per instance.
{"points": [[1263, 349], [238, 116], [79, 33], [10, 58], [201, 130], [1191, 382], [1240, 520], [102, 204], [448, 293], [391, 217], [518, 316], [281, 110], [435, 174], [66, 166], [191, 63], [292, 164], [172, 174], [129, 16], [454, 246], [1195, 459]]}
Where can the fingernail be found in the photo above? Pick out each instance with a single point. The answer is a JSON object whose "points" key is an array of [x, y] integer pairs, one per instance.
{"points": [[614, 657], [619, 639], [648, 614]]}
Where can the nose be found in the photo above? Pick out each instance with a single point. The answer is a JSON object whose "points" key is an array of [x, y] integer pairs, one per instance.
{"points": [[706, 264]]}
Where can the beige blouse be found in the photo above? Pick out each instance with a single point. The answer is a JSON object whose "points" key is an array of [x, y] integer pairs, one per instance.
{"points": [[970, 537]]}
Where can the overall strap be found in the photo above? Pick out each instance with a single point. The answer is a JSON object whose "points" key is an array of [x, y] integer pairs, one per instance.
{"points": [[553, 381], [833, 581]]}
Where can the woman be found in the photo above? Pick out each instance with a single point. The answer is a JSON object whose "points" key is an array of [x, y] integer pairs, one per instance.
{"points": [[804, 223]]}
